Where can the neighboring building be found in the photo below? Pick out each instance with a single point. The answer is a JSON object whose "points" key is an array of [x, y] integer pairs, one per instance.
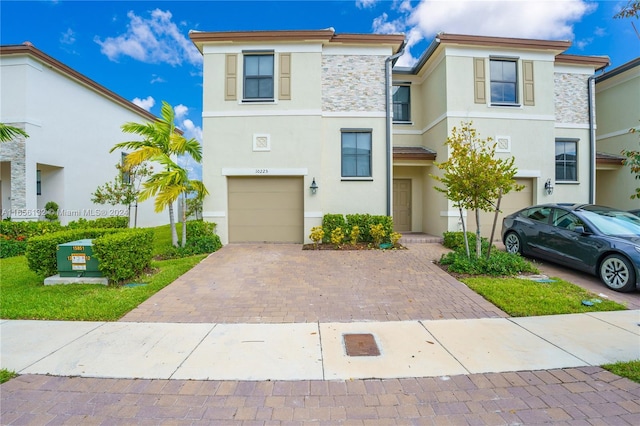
{"points": [[283, 109], [618, 111], [72, 123], [527, 95]]}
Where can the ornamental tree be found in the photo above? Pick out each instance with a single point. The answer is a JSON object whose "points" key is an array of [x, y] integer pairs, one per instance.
{"points": [[473, 178]]}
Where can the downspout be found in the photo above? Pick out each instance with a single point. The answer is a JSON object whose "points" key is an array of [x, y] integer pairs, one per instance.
{"points": [[389, 119], [592, 138]]}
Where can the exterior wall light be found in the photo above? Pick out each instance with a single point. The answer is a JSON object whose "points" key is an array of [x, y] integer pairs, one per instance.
{"points": [[314, 186], [548, 187]]}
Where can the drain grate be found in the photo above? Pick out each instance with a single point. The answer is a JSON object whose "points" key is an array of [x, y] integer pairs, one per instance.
{"points": [[360, 345]]}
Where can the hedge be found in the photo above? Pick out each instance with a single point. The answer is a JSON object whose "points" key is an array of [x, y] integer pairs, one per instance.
{"points": [[363, 221], [124, 255], [101, 222]]}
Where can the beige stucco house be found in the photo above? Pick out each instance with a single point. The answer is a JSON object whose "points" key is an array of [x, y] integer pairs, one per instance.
{"points": [[72, 123], [618, 110], [285, 111]]}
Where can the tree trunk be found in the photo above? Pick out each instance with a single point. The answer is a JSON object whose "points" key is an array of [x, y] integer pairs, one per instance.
{"points": [[172, 222], [184, 220], [495, 220], [478, 238], [464, 234]]}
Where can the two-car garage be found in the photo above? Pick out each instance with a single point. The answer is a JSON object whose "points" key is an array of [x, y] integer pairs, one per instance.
{"points": [[266, 209]]}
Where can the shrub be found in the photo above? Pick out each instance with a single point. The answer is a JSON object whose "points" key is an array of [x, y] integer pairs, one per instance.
{"points": [[395, 237], [27, 229], [331, 222], [500, 263], [201, 238], [12, 247], [363, 222], [52, 211], [337, 236], [355, 234], [41, 250], [200, 227], [125, 254], [377, 233], [316, 235], [455, 240], [119, 222]]}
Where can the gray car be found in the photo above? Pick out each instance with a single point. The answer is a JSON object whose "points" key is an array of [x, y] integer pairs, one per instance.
{"points": [[599, 240]]}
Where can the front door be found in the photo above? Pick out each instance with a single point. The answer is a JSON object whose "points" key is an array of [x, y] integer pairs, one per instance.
{"points": [[402, 205]]}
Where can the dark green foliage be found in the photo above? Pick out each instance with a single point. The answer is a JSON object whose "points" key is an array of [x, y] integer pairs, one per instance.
{"points": [[201, 239], [101, 222], [27, 229], [41, 250], [10, 247], [499, 264], [125, 254], [52, 211], [455, 241], [331, 222]]}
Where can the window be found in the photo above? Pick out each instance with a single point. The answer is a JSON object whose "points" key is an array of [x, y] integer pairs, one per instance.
{"points": [[356, 153], [258, 77], [564, 219], [539, 214], [401, 103], [566, 161], [125, 175], [504, 82], [38, 182]]}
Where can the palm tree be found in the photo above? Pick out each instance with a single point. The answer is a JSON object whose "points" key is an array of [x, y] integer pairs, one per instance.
{"points": [[160, 143], [7, 133]]}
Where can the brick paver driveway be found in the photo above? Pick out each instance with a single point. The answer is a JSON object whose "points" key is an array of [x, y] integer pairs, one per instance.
{"points": [[281, 283]]}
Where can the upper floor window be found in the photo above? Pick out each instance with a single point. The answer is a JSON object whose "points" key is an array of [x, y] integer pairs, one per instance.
{"points": [[504, 82], [401, 103], [566, 160], [356, 153], [258, 76]]}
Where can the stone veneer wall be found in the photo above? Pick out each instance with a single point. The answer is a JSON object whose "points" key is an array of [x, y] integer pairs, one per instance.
{"points": [[571, 98], [14, 152], [353, 83]]}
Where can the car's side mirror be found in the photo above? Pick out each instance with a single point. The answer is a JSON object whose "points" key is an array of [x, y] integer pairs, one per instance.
{"points": [[580, 229]]}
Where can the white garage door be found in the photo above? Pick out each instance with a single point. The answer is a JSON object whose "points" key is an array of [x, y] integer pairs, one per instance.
{"points": [[267, 209], [511, 202]]}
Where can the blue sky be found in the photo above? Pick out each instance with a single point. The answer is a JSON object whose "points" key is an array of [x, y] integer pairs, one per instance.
{"points": [[142, 51]]}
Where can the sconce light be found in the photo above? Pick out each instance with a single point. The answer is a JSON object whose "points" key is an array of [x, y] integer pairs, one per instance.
{"points": [[548, 187], [314, 186]]}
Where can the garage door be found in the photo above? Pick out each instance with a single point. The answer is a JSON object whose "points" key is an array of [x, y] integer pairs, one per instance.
{"points": [[510, 203], [267, 209]]}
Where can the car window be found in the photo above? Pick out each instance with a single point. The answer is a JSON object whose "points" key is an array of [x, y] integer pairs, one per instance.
{"points": [[539, 214], [613, 222], [566, 220]]}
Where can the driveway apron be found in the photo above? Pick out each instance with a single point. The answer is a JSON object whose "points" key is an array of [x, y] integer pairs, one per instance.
{"points": [[281, 283]]}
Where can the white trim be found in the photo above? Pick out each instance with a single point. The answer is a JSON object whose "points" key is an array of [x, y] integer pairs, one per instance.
{"points": [[356, 50], [490, 52], [502, 115], [238, 47], [261, 113], [587, 69], [263, 171], [528, 173], [572, 126], [29, 121], [214, 214], [313, 214], [261, 142], [357, 114], [614, 134], [452, 213]]}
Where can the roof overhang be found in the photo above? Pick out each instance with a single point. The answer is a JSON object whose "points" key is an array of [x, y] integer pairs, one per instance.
{"points": [[606, 161], [413, 156]]}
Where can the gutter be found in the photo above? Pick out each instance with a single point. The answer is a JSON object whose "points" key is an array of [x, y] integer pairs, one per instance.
{"points": [[592, 137], [389, 119]]}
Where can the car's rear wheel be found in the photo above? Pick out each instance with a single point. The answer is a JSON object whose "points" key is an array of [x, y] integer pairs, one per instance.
{"points": [[513, 243], [617, 273]]}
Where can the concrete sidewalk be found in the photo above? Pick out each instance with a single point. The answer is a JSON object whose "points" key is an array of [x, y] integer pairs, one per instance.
{"points": [[316, 351]]}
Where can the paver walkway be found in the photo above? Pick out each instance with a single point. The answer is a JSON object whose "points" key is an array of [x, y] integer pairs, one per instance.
{"points": [[280, 283]]}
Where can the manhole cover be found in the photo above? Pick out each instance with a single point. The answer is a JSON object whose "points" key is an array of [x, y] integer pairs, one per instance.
{"points": [[360, 345]]}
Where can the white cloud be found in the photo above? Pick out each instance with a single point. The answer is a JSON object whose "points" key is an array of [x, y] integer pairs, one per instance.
{"points": [[191, 130], [153, 40], [145, 104], [503, 18], [180, 111], [157, 79], [68, 37], [363, 4]]}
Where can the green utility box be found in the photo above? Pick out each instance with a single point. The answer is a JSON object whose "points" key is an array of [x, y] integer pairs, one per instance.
{"points": [[75, 259]]}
